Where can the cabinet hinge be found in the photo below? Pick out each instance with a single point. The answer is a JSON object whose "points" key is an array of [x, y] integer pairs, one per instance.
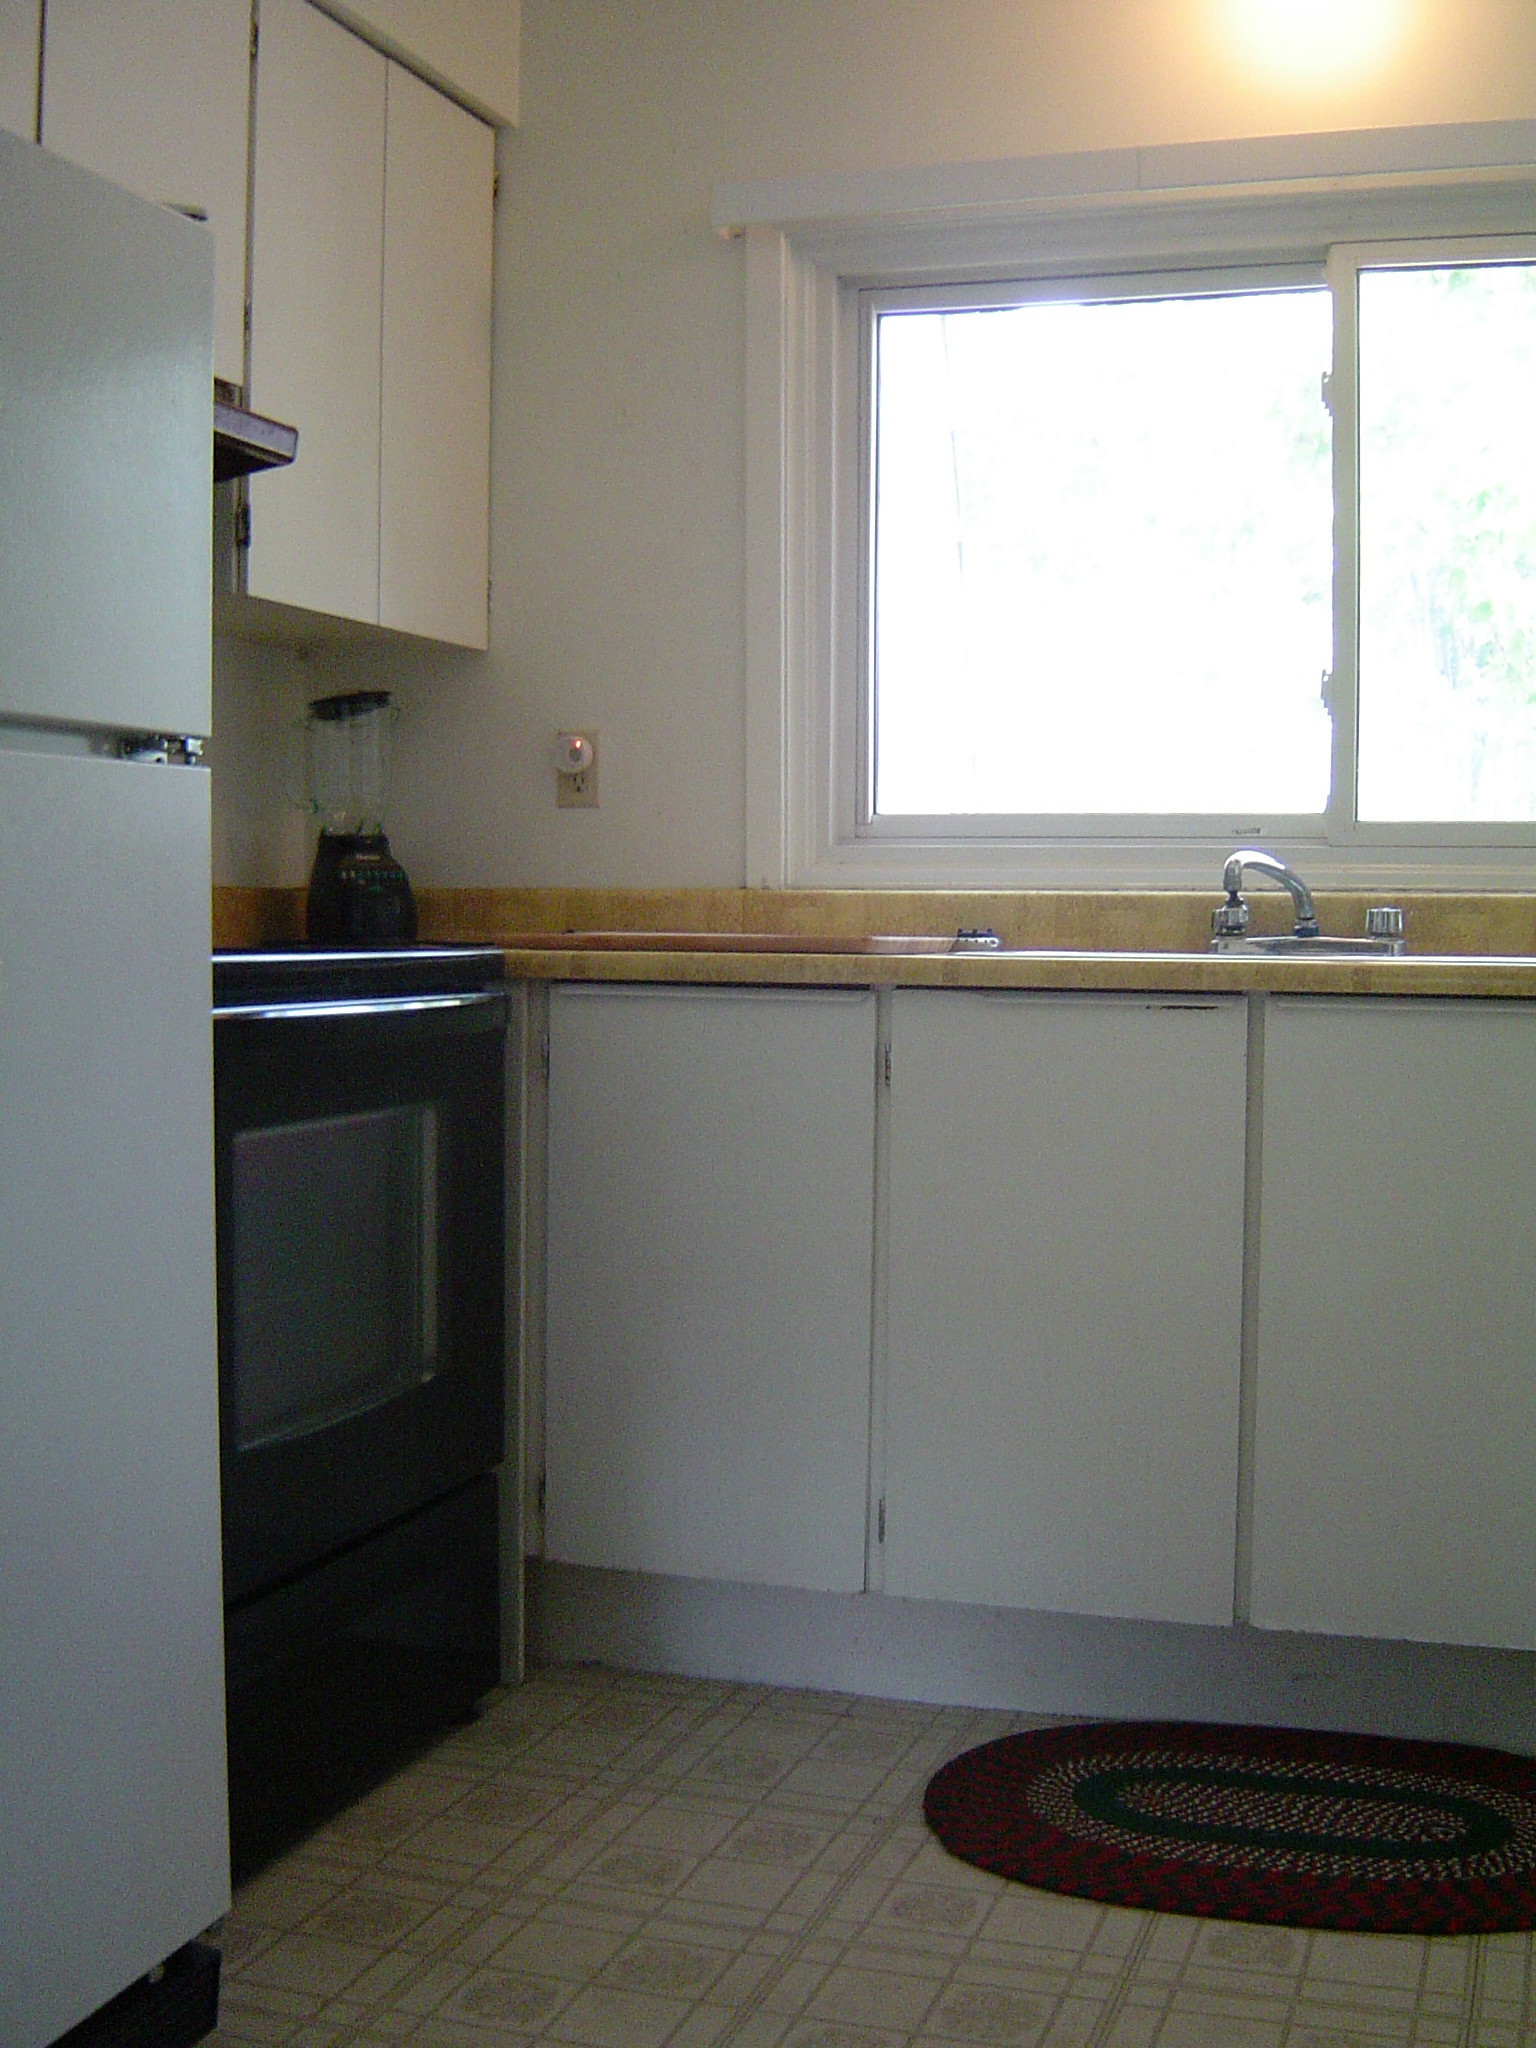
{"points": [[243, 525], [880, 1523], [255, 37], [543, 1495], [1327, 391], [544, 1057], [495, 186], [885, 1064]]}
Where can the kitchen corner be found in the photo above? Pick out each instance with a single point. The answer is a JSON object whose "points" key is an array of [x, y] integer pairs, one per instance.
{"points": [[867, 1328]]}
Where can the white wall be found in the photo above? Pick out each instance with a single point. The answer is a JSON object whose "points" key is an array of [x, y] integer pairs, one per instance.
{"points": [[618, 439]]}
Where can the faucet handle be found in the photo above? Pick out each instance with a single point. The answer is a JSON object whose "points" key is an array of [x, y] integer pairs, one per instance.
{"points": [[1230, 919], [1384, 921]]}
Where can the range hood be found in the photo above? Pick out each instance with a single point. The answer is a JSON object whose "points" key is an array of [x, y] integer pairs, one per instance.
{"points": [[245, 441]]}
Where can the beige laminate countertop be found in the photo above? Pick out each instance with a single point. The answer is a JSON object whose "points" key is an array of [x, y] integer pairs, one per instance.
{"points": [[1036, 968], [1151, 941]]}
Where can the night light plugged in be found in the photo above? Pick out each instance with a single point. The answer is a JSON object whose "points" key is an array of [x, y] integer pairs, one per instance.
{"points": [[576, 770]]}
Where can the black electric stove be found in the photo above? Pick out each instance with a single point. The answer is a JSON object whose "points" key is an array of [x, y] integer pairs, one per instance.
{"points": [[359, 1117]]}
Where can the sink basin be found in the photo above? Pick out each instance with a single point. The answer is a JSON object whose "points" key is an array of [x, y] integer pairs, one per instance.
{"points": [[722, 942], [965, 945], [1322, 947]]}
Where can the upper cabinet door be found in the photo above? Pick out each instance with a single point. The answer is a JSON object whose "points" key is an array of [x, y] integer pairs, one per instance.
{"points": [[157, 98], [316, 304], [434, 481], [21, 30], [468, 49]]}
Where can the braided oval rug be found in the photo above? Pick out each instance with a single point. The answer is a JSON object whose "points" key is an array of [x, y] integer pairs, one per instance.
{"points": [[1281, 1825]]}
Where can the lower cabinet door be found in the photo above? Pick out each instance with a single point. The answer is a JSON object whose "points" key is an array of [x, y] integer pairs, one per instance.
{"points": [[711, 1174], [1394, 1486], [1065, 1301]]}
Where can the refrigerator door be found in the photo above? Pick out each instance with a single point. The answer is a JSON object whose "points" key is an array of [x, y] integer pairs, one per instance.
{"points": [[112, 1789], [106, 452]]}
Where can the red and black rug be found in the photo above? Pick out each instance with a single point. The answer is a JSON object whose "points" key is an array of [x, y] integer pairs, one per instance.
{"points": [[1274, 1824]]}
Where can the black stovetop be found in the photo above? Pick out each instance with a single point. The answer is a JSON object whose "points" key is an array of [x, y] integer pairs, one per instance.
{"points": [[316, 971]]}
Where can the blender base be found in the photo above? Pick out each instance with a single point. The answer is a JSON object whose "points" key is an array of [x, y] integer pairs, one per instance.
{"points": [[358, 893]]}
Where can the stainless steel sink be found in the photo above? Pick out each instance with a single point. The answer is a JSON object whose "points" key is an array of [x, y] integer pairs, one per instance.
{"points": [[1318, 947], [965, 944]]}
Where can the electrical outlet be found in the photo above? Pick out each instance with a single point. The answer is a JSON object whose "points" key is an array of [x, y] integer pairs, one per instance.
{"points": [[576, 787]]}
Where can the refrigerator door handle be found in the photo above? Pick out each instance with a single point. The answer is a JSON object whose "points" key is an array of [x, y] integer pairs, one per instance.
{"points": [[179, 750]]}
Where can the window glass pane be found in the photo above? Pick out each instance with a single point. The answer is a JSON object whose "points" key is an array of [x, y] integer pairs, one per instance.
{"points": [[1103, 557], [1448, 543]]}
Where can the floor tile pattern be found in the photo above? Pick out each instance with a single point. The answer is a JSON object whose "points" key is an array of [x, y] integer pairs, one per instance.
{"points": [[615, 1861]]}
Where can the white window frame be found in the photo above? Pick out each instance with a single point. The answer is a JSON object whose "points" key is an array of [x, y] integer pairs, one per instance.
{"points": [[812, 247]]}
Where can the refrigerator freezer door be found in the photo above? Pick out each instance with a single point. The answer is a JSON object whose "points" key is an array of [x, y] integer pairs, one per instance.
{"points": [[106, 452], [112, 1790]]}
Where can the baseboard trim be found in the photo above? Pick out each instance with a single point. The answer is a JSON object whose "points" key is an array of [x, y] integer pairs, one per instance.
{"points": [[1072, 1665]]}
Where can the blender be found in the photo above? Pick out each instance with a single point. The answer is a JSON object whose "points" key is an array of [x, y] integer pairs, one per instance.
{"points": [[358, 891]]}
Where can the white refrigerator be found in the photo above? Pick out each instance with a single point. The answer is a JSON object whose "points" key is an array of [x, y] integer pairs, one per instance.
{"points": [[113, 1829]]}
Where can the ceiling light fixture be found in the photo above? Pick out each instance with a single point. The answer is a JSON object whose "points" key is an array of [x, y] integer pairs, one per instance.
{"points": [[1317, 38]]}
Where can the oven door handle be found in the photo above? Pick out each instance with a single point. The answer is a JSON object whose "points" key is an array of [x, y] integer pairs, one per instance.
{"points": [[353, 1006]]}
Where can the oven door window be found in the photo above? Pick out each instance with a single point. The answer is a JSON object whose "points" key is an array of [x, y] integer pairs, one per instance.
{"points": [[335, 1283]]}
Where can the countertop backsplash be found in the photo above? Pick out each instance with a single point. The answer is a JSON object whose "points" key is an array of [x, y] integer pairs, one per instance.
{"points": [[1154, 921]]}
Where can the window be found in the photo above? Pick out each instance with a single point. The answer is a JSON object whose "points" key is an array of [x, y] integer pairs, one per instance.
{"points": [[1101, 553], [1447, 541], [1102, 564], [1091, 536]]}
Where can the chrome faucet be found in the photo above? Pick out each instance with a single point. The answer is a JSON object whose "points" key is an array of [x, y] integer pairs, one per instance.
{"points": [[1232, 917]]}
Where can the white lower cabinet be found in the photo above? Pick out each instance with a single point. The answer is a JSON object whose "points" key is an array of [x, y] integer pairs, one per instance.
{"points": [[1395, 1485], [1065, 1301], [711, 1175], [1033, 1288]]}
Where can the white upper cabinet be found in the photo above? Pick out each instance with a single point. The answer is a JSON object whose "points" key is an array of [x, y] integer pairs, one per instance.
{"points": [[468, 49], [317, 253], [435, 409], [363, 198], [156, 97], [370, 332], [20, 39]]}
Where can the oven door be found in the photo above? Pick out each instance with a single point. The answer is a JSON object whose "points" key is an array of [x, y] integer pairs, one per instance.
{"points": [[360, 1184]]}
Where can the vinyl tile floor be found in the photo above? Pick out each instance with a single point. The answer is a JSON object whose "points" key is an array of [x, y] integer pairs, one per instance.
{"points": [[608, 1860]]}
